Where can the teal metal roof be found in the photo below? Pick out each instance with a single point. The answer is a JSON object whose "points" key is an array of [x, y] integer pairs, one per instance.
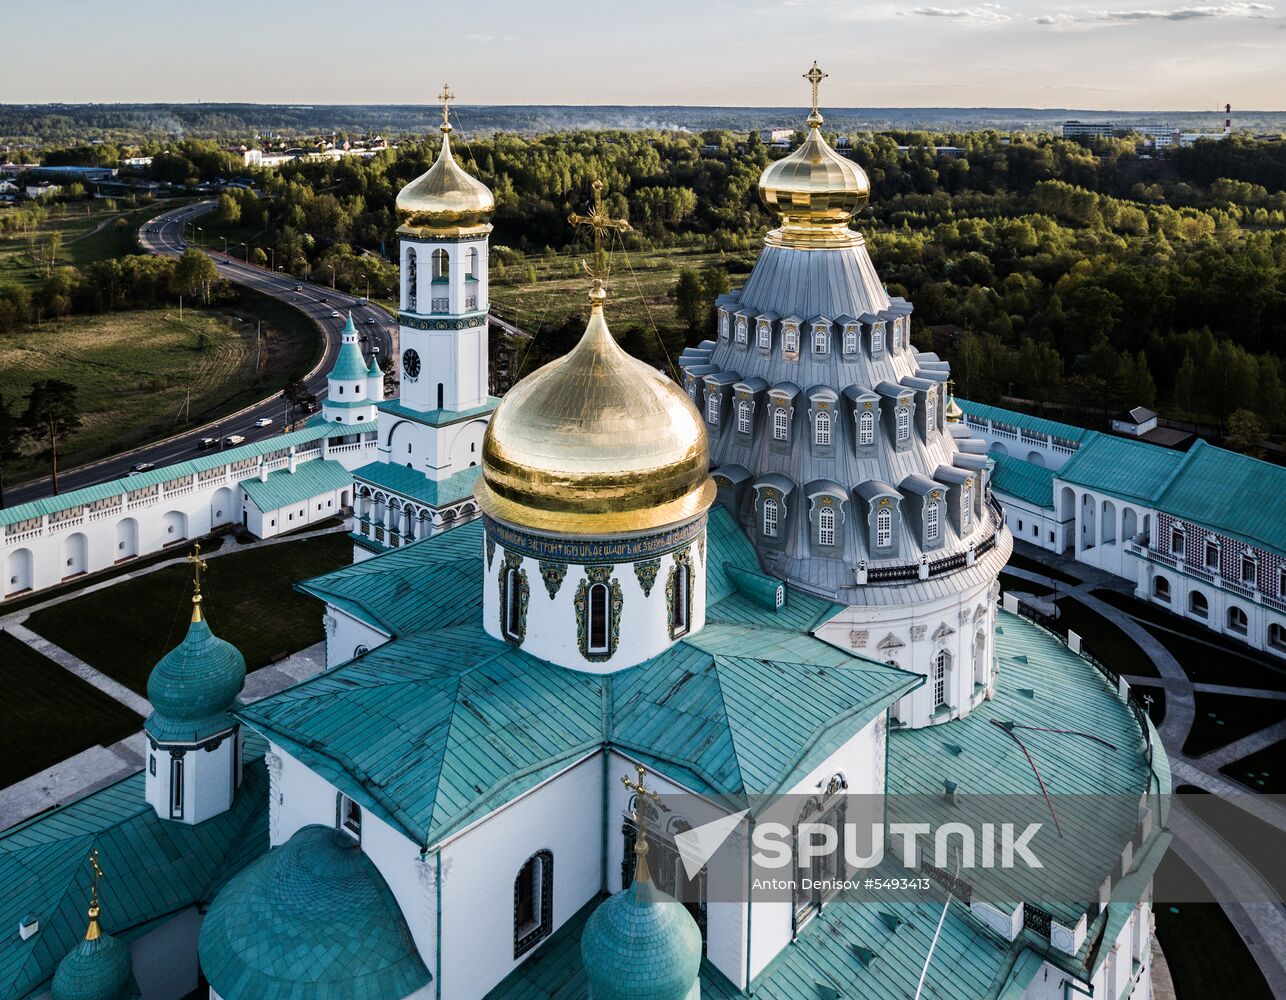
{"points": [[1121, 467], [154, 868], [100, 969], [350, 366], [211, 460], [1025, 421], [416, 485], [1024, 480], [194, 686], [437, 418], [311, 920], [641, 944], [1233, 494], [284, 488], [447, 723]]}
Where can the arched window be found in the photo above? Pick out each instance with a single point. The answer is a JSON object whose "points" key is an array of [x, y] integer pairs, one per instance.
{"points": [[790, 338], [743, 417], [348, 816], [533, 902], [779, 423], [473, 263], [513, 604], [765, 335], [826, 526], [1237, 620], [1276, 636], [904, 423], [850, 340], [930, 411], [884, 528], [411, 279], [1177, 539], [822, 429], [941, 663], [980, 657], [741, 330], [1161, 589], [897, 335], [1212, 555], [966, 506], [441, 265], [1198, 605], [877, 339], [1249, 569], [866, 427], [723, 324], [712, 408], [770, 518], [681, 612], [692, 389], [820, 880], [931, 524], [821, 340], [600, 625]]}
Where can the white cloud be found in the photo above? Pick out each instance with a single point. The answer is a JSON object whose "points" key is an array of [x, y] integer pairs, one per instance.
{"points": [[1190, 13], [985, 13]]}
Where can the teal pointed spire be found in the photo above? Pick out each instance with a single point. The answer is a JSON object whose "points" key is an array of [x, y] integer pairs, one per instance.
{"points": [[350, 366], [374, 370]]}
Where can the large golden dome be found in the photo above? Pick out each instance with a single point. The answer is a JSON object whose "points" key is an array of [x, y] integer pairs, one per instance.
{"points": [[445, 199], [595, 443], [814, 191]]}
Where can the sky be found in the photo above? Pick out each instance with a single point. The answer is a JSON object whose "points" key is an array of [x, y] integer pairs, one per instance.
{"points": [[1130, 55]]}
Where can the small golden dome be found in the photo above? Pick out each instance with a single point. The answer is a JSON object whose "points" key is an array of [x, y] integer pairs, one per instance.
{"points": [[595, 443], [954, 414], [814, 191], [445, 199]]}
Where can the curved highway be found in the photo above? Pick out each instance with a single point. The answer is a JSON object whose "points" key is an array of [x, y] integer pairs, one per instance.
{"points": [[164, 234]]}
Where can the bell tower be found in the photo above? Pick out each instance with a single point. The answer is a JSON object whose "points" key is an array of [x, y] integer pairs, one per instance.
{"points": [[443, 216]]}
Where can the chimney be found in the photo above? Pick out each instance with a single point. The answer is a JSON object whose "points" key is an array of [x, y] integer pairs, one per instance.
{"points": [[949, 791], [1227, 122]]}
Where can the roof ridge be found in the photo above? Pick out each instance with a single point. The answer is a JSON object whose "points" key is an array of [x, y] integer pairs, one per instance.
{"points": [[1179, 467]]}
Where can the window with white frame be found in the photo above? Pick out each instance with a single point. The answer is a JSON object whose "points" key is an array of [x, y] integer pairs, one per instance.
{"points": [[790, 338], [692, 389], [822, 428], [712, 408], [850, 340], [930, 411], [599, 618], [1212, 555], [866, 427], [680, 613], [741, 330], [513, 604], [903, 423], [765, 335], [1281, 582], [743, 416], [770, 518], [966, 506], [533, 902], [176, 788], [826, 526], [941, 663], [349, 816], [1176, 541], [821, 340], [723, 324], [931, 521], [779, 424], [884, 528], [897, 335], [877, 339], [1249, 569]]}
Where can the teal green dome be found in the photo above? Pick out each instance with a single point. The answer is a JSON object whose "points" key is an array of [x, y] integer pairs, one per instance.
{"points": [[642, 944], [311, 920], [194, 685], [350, 366], [99, 968]]}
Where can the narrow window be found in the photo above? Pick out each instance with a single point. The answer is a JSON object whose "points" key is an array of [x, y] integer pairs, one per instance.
{"points": [[966, 506], [940, 663], [533, 902], [850, 340], [712, 408], [473, 264], [821, 340], [877, 339], [1281, 582], [1248, 570], [826, 526], [743, 417], [1212, 555], [441, 264], [692, 390], [884, 528], [1176, 542], [904, 423], [410, 280], [779, 423], [151, 764], [822, 429], [930, 411], [599, 613], [931, 522], [513, 605], [770, 518], [176, 788], [791, 338], [866, 427], [682, 579], [741, 331], [723, 324], [765, 336], [897, 335], [350, 816], [441, 394]]}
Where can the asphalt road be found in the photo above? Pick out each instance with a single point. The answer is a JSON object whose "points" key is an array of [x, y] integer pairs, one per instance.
{"points": [[164, 234]]}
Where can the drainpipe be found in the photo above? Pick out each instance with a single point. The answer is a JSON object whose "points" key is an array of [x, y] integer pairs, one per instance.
{"points": [[437, 927], [750, 910]]}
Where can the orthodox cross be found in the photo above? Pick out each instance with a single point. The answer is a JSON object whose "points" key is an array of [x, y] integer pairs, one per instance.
{"points": [[599, 221], [641, 795], [98, 873], [815, 76], [198, 564], [446, 97]]}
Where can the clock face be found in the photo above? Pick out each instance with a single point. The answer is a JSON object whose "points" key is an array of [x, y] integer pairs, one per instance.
{"points": [[411, 365]]}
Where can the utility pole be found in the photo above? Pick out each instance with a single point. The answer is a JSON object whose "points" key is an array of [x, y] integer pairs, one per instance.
{"points": [[180, 308], [258, 347]]}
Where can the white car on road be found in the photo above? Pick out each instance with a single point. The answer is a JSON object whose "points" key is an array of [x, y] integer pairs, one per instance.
{"points": [[264, 422], [334, 314]]}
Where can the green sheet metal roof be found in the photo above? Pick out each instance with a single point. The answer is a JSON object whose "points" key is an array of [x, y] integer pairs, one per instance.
{"points": [[284, 488], [1025, 421], [641, 944], [194, 686], [154, 868], [350, 366], [437, 418], [311, 920], [410, 483], [1024, 480], [1233, 494], [1121, 467], [212, 460]]}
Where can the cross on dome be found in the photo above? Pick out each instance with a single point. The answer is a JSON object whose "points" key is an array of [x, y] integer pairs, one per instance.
{"points": [[446, 97], [815, 76], [642, 793], [198, 564], [92, 931], [598, 220]]}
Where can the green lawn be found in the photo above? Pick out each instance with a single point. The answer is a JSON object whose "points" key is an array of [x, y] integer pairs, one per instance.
{"points": [[249, 602], [83, 240], [1222, 718], [1105, 640], [1263, 771], [50, 714]]}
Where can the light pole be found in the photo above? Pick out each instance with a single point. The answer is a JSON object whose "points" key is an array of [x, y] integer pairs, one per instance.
{"points": [[332, 277], [247, 246], [200, 231], [272, 258]]}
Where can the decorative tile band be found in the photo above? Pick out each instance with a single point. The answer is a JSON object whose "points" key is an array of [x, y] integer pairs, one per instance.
{"points": [[594, 550]]}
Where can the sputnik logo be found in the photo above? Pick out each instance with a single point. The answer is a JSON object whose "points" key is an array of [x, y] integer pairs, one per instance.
{"points": [[698, 845]]}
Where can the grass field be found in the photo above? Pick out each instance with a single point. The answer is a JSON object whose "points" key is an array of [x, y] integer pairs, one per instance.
{"points": [[50, 714], [90, 231], [1111, 645], [249, 601], [135, 369]]}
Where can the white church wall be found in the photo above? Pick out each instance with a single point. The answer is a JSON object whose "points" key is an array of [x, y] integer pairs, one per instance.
{"points": [[283, 520], [207, 783], [1031, 524], [347, 637]]}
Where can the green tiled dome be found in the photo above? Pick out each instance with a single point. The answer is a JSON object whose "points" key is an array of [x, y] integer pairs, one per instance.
{"points": [[194, 685], [642, 945], [96, 969], [311, 920]]}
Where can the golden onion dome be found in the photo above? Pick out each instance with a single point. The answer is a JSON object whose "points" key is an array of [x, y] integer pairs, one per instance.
{"points": [[445, 199], [594, 443], [954, 414], [814, 191]]}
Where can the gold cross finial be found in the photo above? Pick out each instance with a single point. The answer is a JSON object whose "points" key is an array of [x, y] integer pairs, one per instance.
{"points": [[642, 793], [92, 932], [815, 76], [598, 220], [446, 97], [198, 564]]}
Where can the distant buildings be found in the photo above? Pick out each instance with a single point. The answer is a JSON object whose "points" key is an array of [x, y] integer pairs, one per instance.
{"points": [[776, 136], [1159, 136]]}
